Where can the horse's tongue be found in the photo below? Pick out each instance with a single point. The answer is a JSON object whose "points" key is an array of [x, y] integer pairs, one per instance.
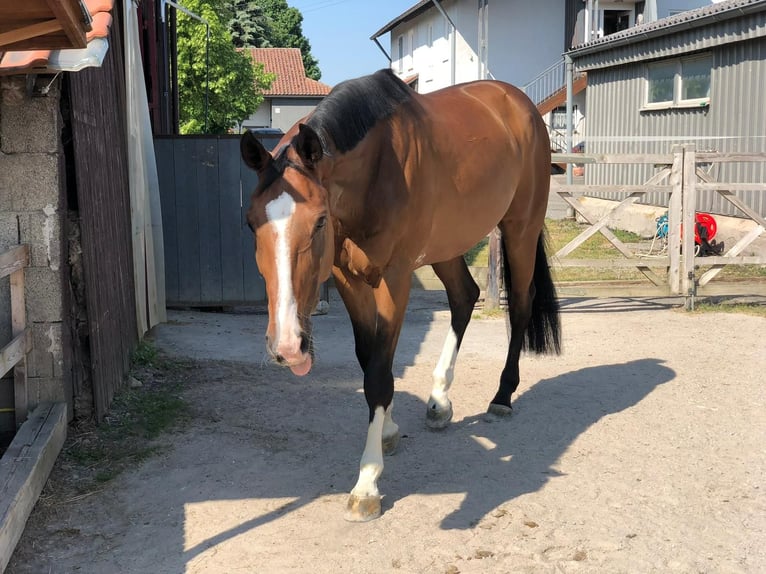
{"points": [[303, 368]]}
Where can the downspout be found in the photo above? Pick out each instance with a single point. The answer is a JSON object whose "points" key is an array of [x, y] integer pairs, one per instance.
{"points": [[570, 119], [453, 40]]}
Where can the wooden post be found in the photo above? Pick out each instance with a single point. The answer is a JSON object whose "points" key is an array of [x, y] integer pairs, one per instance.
{"points": [[688, 207], [18, 325], [674, 220], [494, 273]]}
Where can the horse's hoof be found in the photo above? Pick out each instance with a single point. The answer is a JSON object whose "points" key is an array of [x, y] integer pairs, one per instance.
{"points": [[390, 443], [362, 508], [437, 419], [497, 412]]}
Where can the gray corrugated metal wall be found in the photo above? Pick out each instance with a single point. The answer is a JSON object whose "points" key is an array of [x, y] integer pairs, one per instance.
{"points": [[734, 122]]}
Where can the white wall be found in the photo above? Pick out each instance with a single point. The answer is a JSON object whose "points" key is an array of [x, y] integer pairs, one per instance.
{"points": [[664, 7], [524, 38]]}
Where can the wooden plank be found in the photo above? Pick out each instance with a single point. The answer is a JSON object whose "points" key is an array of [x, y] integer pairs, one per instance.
{"points": [[15, 351], [733, 251], [721, 157], [610, 289], [658, 159], [230, 217], [24, 469], [688, 206], [640, 189], [610, 263], [187, 214], [494, 271], [13, 259], [674, 220], [10, 40], [19, 329], [209, 222], [163, 149], [732, 260], [716, 186], [70, 16]]}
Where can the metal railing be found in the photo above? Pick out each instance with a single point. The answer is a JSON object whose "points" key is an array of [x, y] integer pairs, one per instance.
{"points": [[547, 83]]}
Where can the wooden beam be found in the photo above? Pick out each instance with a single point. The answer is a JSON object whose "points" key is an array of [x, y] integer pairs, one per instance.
{"points": [[24, 469], [13, 260], [19, 328], [29, 32], [70, 16], [13, 352]]}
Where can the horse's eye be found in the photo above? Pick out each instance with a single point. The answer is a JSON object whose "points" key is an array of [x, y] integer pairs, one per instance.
{"points": [[321, 222]]}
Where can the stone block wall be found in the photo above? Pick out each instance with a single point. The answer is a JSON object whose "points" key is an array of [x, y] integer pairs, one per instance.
{"points": [[31, 211]]}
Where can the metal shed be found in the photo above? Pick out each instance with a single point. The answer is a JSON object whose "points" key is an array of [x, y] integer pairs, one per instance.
{"points": [[620, 118]]}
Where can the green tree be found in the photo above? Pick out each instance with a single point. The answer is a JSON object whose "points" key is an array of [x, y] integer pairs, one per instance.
{"points": [[236, 85], [286, 26], [248, 24]]}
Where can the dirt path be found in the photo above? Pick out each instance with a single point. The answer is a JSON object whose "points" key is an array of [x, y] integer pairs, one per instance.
{"points": [[640, 449]]}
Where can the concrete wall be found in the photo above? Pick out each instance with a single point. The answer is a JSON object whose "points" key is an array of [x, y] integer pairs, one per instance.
{"points": [[31, 180]]}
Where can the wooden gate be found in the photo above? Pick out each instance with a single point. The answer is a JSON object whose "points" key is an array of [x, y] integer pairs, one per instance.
{"points": [[679, 174], [205, 192]]}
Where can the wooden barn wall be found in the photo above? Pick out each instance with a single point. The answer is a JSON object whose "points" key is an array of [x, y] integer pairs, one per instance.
{"points": [[734, 122], [97, 99]]}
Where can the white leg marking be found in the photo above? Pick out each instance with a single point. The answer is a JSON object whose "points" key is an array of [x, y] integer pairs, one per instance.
{"points": [[371, 464], [444, 373], [280, 211]]}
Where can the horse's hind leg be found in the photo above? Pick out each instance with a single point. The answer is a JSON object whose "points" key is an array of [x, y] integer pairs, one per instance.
{"points": [[519, 262], [462, 293]]}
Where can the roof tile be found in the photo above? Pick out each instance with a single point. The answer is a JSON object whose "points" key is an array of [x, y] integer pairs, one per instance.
{"points": [[291, 80]]}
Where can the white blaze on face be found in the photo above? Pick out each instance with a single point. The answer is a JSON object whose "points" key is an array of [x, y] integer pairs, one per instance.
{"points": [[279, 212]]}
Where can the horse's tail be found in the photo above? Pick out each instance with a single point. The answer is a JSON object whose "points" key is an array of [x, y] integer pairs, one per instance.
{"points": [[544, 330]]}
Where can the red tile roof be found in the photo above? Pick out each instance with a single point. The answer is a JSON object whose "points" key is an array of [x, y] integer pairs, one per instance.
{"points": [[291, 80], [32, 61]]}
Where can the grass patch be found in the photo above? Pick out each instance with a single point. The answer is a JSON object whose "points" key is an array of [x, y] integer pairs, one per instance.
{"points": [[130, 433], [478, 255], [754, 309]]}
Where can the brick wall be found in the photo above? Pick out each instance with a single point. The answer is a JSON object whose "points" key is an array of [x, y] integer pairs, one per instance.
{"points": [[31, 212]]}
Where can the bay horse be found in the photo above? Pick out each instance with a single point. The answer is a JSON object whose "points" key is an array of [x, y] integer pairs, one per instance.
{"points": [[378, 181]]}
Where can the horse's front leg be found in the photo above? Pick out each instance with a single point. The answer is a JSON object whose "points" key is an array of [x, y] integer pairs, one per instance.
{"points": [[376, 334]]}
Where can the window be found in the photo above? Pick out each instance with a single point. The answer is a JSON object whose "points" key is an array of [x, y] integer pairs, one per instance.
{"points": [[400, 49], [679, 83]]}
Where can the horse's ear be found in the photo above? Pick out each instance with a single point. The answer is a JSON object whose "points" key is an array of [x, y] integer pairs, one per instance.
{"points": [[308, 146], [253, 153]]}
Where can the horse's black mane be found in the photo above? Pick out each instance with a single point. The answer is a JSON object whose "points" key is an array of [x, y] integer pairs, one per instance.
{"points": [[353, 107]]}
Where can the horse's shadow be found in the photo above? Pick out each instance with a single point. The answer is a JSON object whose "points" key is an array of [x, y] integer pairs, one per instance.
{"points": [[547, 419]]}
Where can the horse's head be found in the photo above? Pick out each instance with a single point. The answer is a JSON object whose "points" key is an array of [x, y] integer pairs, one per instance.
{"points": [[294, 241]]}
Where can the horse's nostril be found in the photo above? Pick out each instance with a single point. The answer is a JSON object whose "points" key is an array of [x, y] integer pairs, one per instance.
{"points": [[304, 344]]}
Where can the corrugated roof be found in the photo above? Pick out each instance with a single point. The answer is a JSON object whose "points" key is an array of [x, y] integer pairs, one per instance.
{"points": [[43, 61], [683, 20], [287, 64]]}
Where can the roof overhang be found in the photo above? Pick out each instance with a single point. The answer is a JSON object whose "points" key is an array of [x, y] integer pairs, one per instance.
{"points": [[43, 25], [673, 24], [414, 12]]}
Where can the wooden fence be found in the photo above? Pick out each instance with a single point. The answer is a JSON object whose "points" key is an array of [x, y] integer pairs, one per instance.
{"points": [[14, 354], [679, 173], [27, 463]]}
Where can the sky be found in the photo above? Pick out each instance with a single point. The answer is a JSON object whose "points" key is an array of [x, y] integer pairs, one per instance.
{"points": [[339, 32]]}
